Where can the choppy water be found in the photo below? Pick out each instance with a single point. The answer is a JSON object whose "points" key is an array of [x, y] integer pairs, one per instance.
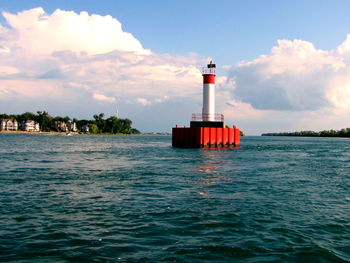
{"points": [[136, 199]]}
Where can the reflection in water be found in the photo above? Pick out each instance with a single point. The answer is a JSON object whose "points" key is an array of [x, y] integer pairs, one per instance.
{"points": [[208, 169], [204, 195], [212, 171]]}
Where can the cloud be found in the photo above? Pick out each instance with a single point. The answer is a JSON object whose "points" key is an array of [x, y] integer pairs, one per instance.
{"points": [[67, 30], [4, 50], [143, 101], [8, 70], [162, 99], [102, 97], [294, 87], [295, 76]]}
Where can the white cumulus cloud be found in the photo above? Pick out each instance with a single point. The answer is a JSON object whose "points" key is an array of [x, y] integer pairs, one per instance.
{"points": [[102, 97], [67, 30], [143, 101], [295, 76]]}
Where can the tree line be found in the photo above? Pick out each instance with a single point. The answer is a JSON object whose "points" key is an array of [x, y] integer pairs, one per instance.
{"points": [[96, 125], [326, 133]]}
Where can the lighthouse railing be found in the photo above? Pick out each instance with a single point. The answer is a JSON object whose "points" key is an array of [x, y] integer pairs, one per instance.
{"points": [[206, 117], [208, 71]]}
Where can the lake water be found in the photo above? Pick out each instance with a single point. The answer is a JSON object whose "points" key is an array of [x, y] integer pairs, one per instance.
{"points": [[136, 199]]}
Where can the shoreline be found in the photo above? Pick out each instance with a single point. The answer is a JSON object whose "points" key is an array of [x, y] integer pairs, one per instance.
{"points": [[77, 133], [35, 132]]}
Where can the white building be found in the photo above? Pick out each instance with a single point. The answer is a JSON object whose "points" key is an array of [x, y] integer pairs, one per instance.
{"points": [[85, 128], [61, 126], [31, 126], [72, 126], [8, 125]]}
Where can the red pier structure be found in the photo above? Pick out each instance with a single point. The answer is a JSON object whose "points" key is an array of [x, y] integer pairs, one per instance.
{"points": [[205, 137], [207, 130]]}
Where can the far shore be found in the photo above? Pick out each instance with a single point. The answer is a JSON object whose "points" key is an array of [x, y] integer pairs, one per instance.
{"points": [[76, 133], [36, 132]]}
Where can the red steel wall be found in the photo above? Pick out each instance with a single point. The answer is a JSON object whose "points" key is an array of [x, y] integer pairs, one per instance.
{"points": [[198, 137]]}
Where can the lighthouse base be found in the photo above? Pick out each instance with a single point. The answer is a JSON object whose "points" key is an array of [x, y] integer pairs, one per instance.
{"points": [[205, 137]]}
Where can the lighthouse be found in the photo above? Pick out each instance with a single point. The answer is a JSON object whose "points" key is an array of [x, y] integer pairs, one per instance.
{"points": [[207, 129], [208, 110], [208, 117]]}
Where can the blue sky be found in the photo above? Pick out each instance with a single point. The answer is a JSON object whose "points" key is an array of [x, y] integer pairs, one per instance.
{"points": [[226, 30], [229, 32]]}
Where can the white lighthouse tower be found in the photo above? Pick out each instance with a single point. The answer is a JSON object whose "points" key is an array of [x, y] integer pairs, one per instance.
{"points": [[208, 111], [208, 117]]}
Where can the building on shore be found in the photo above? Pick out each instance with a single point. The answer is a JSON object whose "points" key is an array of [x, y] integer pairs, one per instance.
{"points": [[30, 126], [8, 125], [61, 126], [71, 126], [85, 128]]}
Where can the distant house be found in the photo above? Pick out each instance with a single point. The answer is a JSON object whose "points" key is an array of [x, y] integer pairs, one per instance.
{"points": [[72, 126], [8, 125], [61, 126], [85, 128], [30, 126]]}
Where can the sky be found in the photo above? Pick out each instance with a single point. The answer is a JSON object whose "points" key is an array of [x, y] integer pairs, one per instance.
{"points": [[282, 65]]}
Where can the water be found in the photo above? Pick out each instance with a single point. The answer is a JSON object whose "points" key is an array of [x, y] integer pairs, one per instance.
{"points": [[136, 199]]}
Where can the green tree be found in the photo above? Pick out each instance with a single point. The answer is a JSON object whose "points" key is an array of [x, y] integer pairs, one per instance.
{"points": [[100, 122], [135, 131], [97, 125], [81, 123], [93, 128], [4, 116], [113, 125], [44, 120], [126, 126], [26, 116]]}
